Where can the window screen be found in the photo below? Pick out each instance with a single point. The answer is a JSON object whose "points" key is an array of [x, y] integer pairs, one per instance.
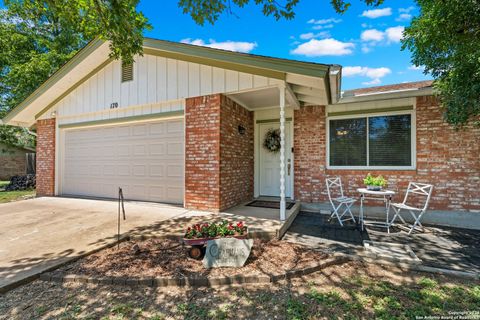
{"points": [[387, 141]]}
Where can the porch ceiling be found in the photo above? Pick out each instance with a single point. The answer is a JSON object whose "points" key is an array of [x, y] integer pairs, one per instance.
{"points": [[301, 90]]}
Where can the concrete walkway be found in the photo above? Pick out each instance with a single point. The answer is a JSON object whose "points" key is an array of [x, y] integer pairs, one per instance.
{"points": [[40, 233]]}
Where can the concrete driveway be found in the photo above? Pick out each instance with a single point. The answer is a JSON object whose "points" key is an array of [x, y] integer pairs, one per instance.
{"points": [[40, 233]]}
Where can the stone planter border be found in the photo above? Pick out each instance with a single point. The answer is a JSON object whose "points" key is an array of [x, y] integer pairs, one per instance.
{"points": [[195, 281]]}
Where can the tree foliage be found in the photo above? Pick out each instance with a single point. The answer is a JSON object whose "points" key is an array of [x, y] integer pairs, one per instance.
{"points": [[115, 20], [33, 45], [445, 39], [203, 11]]}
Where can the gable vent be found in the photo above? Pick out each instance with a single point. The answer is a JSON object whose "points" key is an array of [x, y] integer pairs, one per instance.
{"points": [[127, 71]]}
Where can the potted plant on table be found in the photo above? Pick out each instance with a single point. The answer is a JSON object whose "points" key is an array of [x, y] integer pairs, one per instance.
{"points": [[374, 183]]}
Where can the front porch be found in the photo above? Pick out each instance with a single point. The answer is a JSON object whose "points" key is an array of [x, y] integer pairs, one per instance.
{"points": [[439, 249]]}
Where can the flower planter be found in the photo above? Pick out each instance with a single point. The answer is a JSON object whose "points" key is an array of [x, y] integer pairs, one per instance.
{"points": [[374, 188], [202, 241], [197, 251], [224, 229]]}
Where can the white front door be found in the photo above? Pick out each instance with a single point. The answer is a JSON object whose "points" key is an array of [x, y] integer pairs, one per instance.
{"points": [[269, 163]]}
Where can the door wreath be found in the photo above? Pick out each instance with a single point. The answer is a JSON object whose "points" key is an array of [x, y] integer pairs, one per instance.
{"points": [[271, 142]]}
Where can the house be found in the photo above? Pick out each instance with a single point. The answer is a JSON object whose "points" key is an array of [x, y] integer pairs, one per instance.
{"points": [[189, 125], [15, 161]]}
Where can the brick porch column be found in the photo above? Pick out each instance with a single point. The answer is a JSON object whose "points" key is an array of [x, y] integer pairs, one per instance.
{"points": [[202, 153], [46, 157], [218, 153]]}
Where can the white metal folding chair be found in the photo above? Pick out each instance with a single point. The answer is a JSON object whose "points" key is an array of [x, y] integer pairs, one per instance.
{"points": [[414, 188], [340, 201]]}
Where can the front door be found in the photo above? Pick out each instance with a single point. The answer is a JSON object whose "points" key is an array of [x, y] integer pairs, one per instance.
{"points": [[269, 163]]}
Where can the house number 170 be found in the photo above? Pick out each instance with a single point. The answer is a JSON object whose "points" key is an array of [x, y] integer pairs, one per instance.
{"points": [[114, 105]]}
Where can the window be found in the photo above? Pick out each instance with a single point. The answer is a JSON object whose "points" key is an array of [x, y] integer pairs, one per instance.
{"points": [[373, 141], [127, 71]]}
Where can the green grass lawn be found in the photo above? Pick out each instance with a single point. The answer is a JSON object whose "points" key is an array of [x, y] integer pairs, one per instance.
{"points": [[8, 196], [352, 290]]}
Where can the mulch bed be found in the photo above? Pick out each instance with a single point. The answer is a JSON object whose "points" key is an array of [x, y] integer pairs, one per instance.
{"points": [[168, 258]]}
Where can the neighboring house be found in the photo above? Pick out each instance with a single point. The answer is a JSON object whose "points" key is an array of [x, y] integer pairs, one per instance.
{"points": [[186, 124], [15, 161]]}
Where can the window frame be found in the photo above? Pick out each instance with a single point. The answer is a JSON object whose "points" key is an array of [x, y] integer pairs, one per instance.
{"points": [[413, 142]]}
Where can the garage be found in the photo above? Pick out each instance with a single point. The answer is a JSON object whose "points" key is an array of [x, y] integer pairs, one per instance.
{"points": [[145, 159]]}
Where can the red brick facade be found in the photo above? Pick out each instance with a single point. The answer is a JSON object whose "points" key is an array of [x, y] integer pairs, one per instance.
{"points": [[46, 157], [446, 158], [236, 154], [218, 159]]}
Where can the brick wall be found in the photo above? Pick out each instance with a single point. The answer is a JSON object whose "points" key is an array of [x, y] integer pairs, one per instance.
{"points": [[46, 157], [218, 160], [446, 158], [202, 153], [236, 154], [309, 146], [12, 162]]}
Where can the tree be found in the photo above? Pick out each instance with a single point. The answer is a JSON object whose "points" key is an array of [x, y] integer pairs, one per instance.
{"points": [[115, 20], [210, 10], [445, 39], [33, 45]]}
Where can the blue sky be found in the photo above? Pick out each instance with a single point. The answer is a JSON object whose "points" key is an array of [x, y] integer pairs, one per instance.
{"points": [[365, 43]]}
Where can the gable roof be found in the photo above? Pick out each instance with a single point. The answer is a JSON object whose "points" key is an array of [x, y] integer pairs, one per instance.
{"points": [[95, 55]]}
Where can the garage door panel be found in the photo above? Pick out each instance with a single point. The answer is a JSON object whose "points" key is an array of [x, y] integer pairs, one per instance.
{"points": [[146, 160]]}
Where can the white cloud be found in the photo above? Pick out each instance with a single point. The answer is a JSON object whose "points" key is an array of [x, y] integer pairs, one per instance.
{"points": [[404, 17], [311, 35], [372, 83], [238, 46], [320, 27], [325, 47], [377, 13], [415, 68], [406, 10], [375, 74], [324, 21], [306, 36], [395, 34], [366, 49], [372, 35]]}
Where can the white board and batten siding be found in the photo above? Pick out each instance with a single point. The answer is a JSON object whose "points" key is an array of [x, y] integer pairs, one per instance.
{"points": [[159, 85]]}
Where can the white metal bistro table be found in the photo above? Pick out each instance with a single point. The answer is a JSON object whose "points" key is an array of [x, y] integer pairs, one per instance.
{"points": [[382, 195]]}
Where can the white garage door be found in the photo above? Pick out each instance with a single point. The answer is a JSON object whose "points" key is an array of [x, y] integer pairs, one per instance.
{"points": [[145, 159]]}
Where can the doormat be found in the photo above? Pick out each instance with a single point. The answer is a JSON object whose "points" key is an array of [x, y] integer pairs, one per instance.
{"points": [[269, 204]]}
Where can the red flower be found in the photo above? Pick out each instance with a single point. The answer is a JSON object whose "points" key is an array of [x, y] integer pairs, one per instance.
{"points": [[230, 227]]}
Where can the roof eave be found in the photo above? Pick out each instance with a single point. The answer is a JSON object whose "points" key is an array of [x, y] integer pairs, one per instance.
{"points": [[427, 91]]}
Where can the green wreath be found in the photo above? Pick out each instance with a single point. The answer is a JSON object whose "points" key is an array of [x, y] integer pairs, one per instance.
{"points": [[271, 142]]}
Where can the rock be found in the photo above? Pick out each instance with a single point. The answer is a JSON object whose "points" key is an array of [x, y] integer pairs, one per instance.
{"points": [[21, 183]]}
